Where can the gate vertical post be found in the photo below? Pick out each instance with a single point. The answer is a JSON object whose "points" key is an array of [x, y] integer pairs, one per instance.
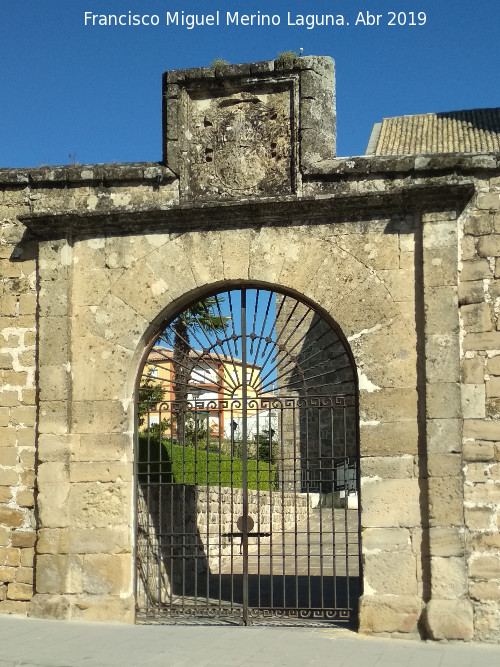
{"points": [[244, 452]]}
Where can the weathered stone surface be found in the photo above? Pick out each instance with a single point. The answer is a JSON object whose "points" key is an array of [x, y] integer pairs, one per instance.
{"points": [[473, 401], [471, 292], [478, 451], [473, 370], [489, 246], [391, 573], [448, 578], [449, 619], [107, 574], [477, 317], [390, 613], [444, 541], [379, 509], [388, 438], [485, 567], [444, 436], [445, 501], [475, 269]]}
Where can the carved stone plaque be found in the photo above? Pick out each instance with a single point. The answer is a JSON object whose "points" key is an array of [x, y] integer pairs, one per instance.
{"points": [[239, 144]]}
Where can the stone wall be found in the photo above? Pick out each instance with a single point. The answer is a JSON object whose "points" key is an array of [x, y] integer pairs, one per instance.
{"points": [[479, 299], [18, 302], [402, 253]]}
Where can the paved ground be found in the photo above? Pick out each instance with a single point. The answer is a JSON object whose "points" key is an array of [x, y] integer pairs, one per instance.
{"points": [[29, 642]]}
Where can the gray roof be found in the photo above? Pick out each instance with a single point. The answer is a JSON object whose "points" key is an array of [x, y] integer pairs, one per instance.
{"points": [[471, 131]]}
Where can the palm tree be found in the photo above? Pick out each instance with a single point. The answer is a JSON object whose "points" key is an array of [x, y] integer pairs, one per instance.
{"points": [[199, 317]]}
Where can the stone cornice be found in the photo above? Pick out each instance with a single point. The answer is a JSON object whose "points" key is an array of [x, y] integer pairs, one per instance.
{"points": [[346, 204]]}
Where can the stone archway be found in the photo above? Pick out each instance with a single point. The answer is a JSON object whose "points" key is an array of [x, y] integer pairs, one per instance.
{"points": [[248, 431], [112, 294]]}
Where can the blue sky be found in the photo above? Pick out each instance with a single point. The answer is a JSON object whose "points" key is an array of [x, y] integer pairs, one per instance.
{"points": [[76, 93]]}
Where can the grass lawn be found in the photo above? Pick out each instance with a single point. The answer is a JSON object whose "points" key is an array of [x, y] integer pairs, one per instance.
{"points": [[188, 465]]}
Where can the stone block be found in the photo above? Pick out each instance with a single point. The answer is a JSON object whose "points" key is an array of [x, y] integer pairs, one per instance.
{"points": [[445, 501], [485, 567], [107, 574], [7, 574], [53, 509], [494, 289], [50, 606], [110, 540], [489, 246], [445, 541], [475, 269], [442, 234], [389, 613], [444, 436], [25, 575], [477, 472], [477, 317], [448, 578], [386, 539], [387, 467], [473, 401], [4, 416], [488, 201], [100, 504], [10, 556], [389, 405], [473, 370], [5, 494], [23, 538], [484, 590], [27, 557], [16, 591], [58, 574], [449, 619], [482, 493], [493, 365], [440, 305], [479, 224], [480, 429], [8, 456], [478, 518], [493, 388], [379, 509], [8, 477], [444, 465], [53, 382], [104, 608], [388, 439], [478, 451], [14, 607], [11, 517], [442, 352], [471, 292], [484, 542], [440, 266], [53, 541], [468, 247], [443, 400], [53, 417], [100, 472], [52, 473], [99, 417], [105, 447]]}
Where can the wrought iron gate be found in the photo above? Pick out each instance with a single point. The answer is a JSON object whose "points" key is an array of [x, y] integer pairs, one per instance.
{"points": [[247, 465]]}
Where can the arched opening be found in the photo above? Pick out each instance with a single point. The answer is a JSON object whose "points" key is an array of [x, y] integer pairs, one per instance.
{"points": [[247, 474]]}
